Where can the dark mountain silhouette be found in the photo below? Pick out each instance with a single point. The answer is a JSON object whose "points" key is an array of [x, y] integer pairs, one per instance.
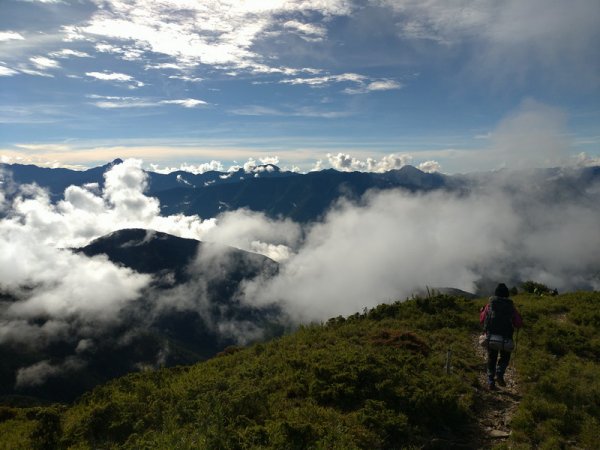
{"points": [[56, 180], [153, 252], [302, 197], [306, 197]]}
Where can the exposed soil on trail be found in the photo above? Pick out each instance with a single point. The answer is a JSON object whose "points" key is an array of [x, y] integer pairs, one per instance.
{"points": [[495, 408]]}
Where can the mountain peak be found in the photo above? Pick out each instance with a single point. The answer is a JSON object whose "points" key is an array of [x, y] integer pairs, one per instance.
{"points": [[408, 169]]}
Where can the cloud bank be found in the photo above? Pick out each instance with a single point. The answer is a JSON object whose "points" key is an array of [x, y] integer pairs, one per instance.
{"points": [[392, 244], [511, 227]]}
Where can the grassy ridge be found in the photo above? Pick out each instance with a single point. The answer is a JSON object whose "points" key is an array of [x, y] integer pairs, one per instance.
{"points": [[372, 380], [558, 365]]}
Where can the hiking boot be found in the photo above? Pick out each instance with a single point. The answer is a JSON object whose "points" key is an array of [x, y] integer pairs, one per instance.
{"points": [[491, 385], [500, 380]]}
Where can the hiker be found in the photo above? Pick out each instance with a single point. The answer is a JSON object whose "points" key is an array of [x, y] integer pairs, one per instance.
{"points": [[499, 319]]}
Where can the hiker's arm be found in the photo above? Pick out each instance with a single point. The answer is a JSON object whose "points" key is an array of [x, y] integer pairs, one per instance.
{"points": [[483, 313], [517, 320]]}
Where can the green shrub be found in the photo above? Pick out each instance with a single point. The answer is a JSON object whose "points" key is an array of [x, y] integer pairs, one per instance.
{"points": [[532, 287]]}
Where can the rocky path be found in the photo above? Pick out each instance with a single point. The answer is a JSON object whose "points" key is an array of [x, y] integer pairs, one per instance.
{"points": [[495, 408]]}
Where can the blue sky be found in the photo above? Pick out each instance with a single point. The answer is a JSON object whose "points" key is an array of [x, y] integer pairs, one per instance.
{"points": [[357, 85]]}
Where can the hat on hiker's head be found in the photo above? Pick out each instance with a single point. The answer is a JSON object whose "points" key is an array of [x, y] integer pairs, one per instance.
{"points": [[501, 291]]}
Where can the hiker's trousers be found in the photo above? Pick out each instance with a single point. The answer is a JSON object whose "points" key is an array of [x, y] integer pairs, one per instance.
{"points": [[497, 366]]}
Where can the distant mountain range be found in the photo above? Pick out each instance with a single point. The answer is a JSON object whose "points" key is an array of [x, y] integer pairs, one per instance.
{"points": [[177, 320], [301, 197]]}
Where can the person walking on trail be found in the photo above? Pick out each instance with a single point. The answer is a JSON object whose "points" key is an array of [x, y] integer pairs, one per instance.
{"points": [[499, 319]]}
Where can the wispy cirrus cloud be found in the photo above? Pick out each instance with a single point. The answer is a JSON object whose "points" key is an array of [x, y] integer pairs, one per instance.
{"points": [[43, 63], [117, 102], [361, 83], [302, 111], [326, 79], [110, 76], [7, 71], [10, 36], [186, 78], [186, 102], [307, 31], [116, 77], [67, 53], [374, 86]]}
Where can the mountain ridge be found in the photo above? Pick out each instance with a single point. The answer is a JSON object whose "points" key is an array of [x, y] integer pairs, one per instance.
{"points": [[305, 197]]}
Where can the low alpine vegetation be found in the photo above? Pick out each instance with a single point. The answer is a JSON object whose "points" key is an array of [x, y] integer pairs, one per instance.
{"points": [[377, 379]]}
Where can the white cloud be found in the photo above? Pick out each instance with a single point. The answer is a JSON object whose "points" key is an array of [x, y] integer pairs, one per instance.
{"points": [[187, 102], [257, 110], [558, 38], [255, 232], [191, 168], [7, 71], [362, 83], [378, 85], [43, 63], [129, 102], [391, 243], [110, 76], [383, 85], [327, 79], [274, 160], [116, 76], [389, 162], [35, 73], [429, 166], [10, 36], [115, 102], [346, 163], [66, 53], [186, 78], [585, 160], [172, 66], [214, 33], [128, 53], [38, 373], [84, 214], [533, 135], [306, 31]]}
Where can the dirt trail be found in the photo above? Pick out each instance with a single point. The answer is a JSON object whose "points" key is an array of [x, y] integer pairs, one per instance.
{"points": [[495, 408]]}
